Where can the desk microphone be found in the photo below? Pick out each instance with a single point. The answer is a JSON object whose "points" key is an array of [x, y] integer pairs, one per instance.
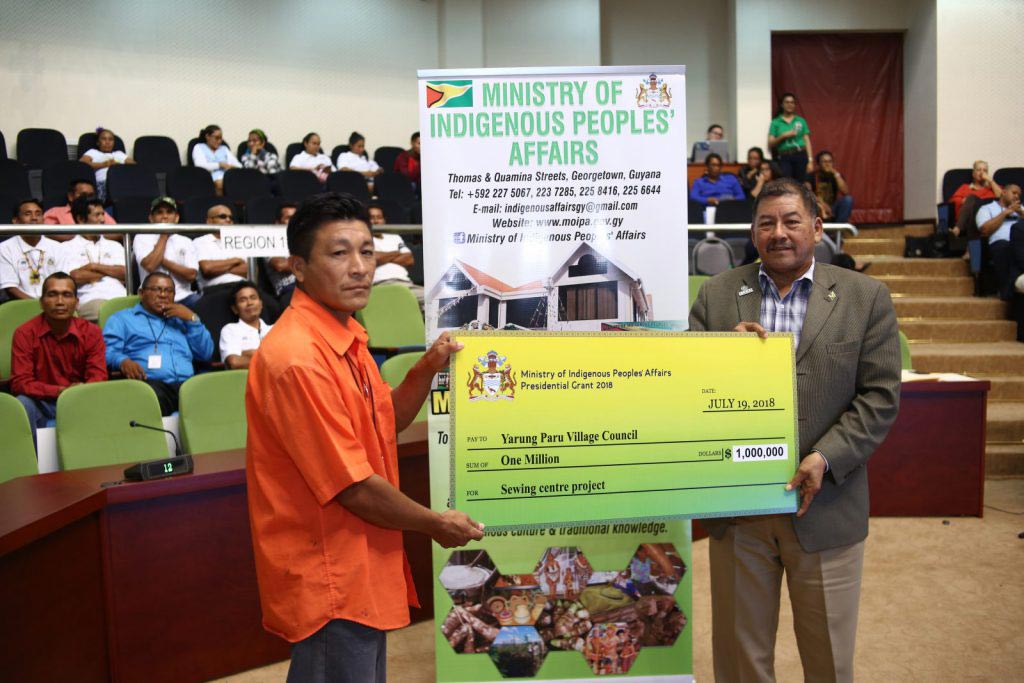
{"points": [[159, 469], [177, 446]]}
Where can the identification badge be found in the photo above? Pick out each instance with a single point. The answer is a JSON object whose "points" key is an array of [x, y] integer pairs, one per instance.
{"points": [[156, 361]]}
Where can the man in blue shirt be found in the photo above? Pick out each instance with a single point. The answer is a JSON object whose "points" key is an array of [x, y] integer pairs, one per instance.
{"points": [[157, 340], [714, 186]]}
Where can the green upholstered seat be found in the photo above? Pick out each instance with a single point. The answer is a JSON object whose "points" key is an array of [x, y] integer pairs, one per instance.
{"points": [[112, 306], [394, 370], [18, 455], [212, 411], [13, 315]]}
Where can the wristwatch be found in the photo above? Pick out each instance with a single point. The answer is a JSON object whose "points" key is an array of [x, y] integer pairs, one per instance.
{"points": [[195, 318]]}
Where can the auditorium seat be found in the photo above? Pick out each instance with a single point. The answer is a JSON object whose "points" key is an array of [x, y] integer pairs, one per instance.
{"points": [[394, 213], [19, 457], [93, 424], [194, 210], [41, 147], [396, 187], [734, 211], [243, 147], [14, 179], [13, 314], [694, 212], [1010, 174], [394, 370], [712, 256], [112, 306], [392, 320], [132, 209], [386, 156], [87, 141], [951, 180], [56, 177], [694, 283], [905, 360], [290, 152], [126, 180], [3, 146], [212, 411], [158, 153], [185, 182], [262, 210], [242, 184], [297, 185], [349, 182], [7, 202]]}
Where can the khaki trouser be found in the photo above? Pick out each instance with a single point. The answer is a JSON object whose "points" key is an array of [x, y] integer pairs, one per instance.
{"points": [[747, 565]]}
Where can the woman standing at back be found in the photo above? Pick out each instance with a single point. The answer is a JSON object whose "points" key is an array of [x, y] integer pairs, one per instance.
{"points": [[789, 138]]}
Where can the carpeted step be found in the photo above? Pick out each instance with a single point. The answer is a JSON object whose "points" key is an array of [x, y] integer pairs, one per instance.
{"points": [[955, 308], [881, 246], [912, 285], [997, 358], [1004, 459], [1004, 387], [959, 330], [920, 267], [1005, 422], [891, 232]]}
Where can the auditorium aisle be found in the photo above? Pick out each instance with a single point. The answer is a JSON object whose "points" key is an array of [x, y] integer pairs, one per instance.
{"points": [[950, 330]]}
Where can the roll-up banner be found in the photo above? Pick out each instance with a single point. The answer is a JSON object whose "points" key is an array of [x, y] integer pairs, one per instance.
{"points": [[555, 200]]}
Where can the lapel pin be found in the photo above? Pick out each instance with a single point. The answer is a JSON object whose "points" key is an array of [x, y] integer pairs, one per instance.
{"points": [[831, 296], [744, 290]]}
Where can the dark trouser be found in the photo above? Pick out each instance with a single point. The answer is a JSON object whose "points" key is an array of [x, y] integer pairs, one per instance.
{"points": [[842, 209], [40, 411], [166, 394], [1002, 267], [794, 165], [341, 652]]}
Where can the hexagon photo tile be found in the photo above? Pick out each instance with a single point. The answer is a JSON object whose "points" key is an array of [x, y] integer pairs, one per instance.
{"points": [[516, 600], [611, 648], [469, 630], [654, 569], [468, 576], [517, 652], [659, 620], [563, 572]]}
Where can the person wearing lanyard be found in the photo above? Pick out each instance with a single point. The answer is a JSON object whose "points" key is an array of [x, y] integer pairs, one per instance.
{"points": [[157, 341], [321, 469], [847, 356], [26, 260]]}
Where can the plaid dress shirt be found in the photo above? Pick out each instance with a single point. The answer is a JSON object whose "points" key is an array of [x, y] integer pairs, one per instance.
{"points": [[785, 314]]}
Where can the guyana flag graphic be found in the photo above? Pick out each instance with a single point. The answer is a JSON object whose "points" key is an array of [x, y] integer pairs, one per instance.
{"points": [[449, 94]]}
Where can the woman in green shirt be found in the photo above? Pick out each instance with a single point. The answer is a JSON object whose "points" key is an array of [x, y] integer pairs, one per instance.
{"points": [[789, 138]]}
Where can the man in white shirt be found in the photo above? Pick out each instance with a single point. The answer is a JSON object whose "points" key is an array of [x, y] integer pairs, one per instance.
{"points": [[239, 341], [219, 273], [169, 253], [995, 221], [393, 257], [95, 263], [26, 260]]}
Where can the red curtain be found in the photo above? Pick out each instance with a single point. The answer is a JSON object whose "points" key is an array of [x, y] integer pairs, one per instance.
{"points": [[849, 87]]}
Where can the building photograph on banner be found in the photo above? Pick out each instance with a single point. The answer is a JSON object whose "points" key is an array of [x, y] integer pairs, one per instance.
{"points": [[550, 202], [554, 200]]}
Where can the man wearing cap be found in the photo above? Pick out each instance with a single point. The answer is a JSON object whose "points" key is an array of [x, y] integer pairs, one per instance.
{"points": [[168, 253]]}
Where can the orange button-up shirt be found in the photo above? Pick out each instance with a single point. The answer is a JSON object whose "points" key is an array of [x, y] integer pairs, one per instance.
{"points": [[320, 419]]}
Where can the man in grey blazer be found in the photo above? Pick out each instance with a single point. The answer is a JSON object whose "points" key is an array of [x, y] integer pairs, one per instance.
{"points": [[848, 387]]}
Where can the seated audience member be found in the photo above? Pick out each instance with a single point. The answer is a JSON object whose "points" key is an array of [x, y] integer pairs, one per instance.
{"points": [[102, 157], [61, 215], [356, 159], [280, 273], [748, 173], [969, 197], [239, 340], [715, 132], [213, 155], [769, 171], [157, 341], [312, 159], [54, 351], [833, 194], [95, 263], [392, 256], [258, 156], [715, 186], [26, 260], [219, 273], [408, 162], [995, 221], [168, 253]]}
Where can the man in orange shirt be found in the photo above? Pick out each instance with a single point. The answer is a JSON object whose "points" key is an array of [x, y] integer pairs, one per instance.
{"points": [[322, 461]]}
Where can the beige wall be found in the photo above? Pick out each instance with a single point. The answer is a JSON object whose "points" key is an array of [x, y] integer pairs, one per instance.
{"points": [[980, 93]]}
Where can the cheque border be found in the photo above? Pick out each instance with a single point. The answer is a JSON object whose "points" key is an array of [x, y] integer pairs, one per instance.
{"points": [[647, 332]]}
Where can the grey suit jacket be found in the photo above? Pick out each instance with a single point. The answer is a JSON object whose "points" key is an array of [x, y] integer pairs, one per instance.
{"points": [[848, 386]]}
